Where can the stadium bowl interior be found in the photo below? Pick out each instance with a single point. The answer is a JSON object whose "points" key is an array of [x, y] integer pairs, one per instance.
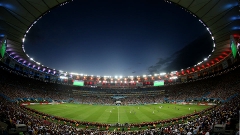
{"points": [[214, 82]]}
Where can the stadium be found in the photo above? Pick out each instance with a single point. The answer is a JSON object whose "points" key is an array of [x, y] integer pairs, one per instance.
{"points": [[202, 99]]}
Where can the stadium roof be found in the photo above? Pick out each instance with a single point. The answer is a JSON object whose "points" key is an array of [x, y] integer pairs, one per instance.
{"points": [[221, 17]]}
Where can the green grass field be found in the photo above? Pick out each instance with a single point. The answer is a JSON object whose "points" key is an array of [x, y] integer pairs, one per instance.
{"points": [[118, 114]]}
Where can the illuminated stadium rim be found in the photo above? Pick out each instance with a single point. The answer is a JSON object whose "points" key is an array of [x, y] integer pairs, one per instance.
{"points": [[55, 71], [81, 73]]}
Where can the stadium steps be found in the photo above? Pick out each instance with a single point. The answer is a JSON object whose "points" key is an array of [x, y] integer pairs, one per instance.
{"points": [[5, 97], [231, 97], [206, 94]]}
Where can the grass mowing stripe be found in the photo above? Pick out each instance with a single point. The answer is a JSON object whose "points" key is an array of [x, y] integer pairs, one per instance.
{"points": [[104, 115], [113, 117], [95, 114], [73, 115], [84, 111], [140, 115], [49, 109], [90, 113], [123, 114], [68, 110], [149, 112], [131, 117]]}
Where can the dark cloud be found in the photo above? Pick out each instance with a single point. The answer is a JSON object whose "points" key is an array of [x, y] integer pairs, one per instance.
{"points": [[192, 53]]}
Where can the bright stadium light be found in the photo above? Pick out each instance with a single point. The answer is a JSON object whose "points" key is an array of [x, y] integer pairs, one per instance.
{"points": [[173, 77], [73, 73], [162, 73], [173, 72], [63, 77]]}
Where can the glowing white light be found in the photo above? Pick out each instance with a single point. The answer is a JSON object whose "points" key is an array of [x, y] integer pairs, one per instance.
{"points": [[63, 77], [205, 59], [162, 73], [23, 39], [173, 72], [173, 77], [74, 73]]}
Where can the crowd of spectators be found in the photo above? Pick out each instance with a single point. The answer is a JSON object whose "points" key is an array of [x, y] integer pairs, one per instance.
{"points": [[223, 86], [220, 86], [201, 124], [16, 86]]}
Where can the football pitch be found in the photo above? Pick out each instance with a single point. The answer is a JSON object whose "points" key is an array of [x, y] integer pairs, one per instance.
{"points": [[118, 114]]}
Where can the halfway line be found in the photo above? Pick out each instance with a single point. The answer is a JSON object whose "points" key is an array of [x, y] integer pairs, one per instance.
{"points": [[118, 114]]}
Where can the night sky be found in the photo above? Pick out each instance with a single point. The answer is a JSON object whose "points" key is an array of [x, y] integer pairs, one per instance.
{"points": [[118, 37]]}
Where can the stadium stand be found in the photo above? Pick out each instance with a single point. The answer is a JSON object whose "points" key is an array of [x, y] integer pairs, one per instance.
{"points": [[222, 88], [216, 83]]}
